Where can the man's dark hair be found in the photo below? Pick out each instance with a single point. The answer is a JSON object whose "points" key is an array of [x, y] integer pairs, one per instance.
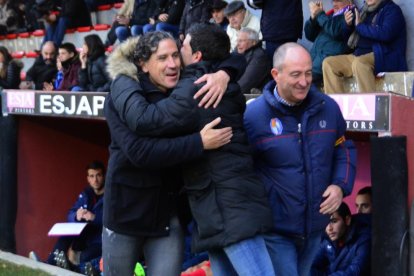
{"points": [[211, 40], [365, 191], [95, 45], [343, 211], [148, 44], [96, 165]]}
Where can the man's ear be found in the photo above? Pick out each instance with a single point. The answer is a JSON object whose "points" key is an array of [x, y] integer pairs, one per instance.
{"points": [[275, 73], [143, 66], [197, 56]]}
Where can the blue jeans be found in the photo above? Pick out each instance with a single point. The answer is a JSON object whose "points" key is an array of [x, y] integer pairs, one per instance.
{"points": [[247, 257], [292, 256], [56, 32], [123, 32], [162, 26], [163, 255]]}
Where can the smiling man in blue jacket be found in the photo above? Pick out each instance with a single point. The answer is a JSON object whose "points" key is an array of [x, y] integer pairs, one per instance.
{"points": [[302, 156]]}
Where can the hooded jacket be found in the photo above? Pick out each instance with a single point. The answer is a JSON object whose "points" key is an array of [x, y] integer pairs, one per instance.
{"points": [[352, 258], [227, 200], [142, 184], [95, 77], [299, 151]]}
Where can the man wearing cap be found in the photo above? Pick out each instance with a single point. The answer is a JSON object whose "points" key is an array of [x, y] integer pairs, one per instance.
{"points": [[217, 14], [239, 17]]}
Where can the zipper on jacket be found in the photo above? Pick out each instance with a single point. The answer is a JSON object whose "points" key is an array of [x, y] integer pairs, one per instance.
{"points": [[299, 128]]}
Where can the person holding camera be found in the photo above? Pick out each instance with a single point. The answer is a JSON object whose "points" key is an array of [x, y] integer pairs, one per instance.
{"points": [[324, 29]]}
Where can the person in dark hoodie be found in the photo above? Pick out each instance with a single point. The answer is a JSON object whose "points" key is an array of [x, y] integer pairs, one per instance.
{"points": [[93, 76], [223, 191], [43, 70], [195, 11], [141, 12], [346, 248], [9, 70], [258, 65], [166, 17], [68, 66], [217, 13]]}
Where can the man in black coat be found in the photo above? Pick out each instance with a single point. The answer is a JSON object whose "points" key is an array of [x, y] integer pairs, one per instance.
{"points": [[43, 70], [223, 190]]}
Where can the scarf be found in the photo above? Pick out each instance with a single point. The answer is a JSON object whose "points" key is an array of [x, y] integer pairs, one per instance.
{"points": [[354, 38]]}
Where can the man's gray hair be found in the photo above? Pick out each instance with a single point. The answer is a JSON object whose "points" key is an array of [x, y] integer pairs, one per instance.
{"points": [[280, 54], [251, 34]]}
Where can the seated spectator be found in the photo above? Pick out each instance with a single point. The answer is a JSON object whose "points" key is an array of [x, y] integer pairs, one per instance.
{"points": [[75, 252], [73, 14], [324, 29], [9, 70], [8, 18], [239, 17], [68, 65], [379, 38], [363, 201], [43, 70], [124, 12], [346, 250], [166, 17], [195, 11], [93, 75], [258, 65], [217, 13], [141, 12]]}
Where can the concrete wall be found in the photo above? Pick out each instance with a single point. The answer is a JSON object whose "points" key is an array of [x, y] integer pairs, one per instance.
{"points": [[406, 6]]}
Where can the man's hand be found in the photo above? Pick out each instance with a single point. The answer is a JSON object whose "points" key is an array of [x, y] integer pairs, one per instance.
{"points": [[333, 197], [349, 16], [213, 90], [79, 214], [315, 8], [47, 86], [26, 85], [88, 216], [163, 17], [215, 138]]}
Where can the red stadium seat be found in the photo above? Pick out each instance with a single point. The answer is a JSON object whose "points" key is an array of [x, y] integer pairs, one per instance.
{"points": [[101, 27], [32, 54], [18, 54], [104, 7]]}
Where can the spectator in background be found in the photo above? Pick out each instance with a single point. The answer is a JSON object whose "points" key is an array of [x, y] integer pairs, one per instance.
{"points": [[281, 22], [43, 70], [8, 18], [258, 65], [68, 65], [363, 201], [217, 13], [74, 252], [378, 35], [73, 14], [141, 12], [195, 11], [239, 17], [166, 17], [325, 29], [124, 12], [93, 75], [346, 249], [9, 70]]}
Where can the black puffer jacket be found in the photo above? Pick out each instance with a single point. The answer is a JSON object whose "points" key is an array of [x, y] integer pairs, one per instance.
{"points": [[195, 11], [281, 20], [12, 78], [227, 200], [174, 9], [95, 77], [142, 184], [143, 10]]}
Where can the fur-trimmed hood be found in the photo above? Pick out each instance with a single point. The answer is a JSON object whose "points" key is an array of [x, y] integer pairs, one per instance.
{"points": [[120, 62]]}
